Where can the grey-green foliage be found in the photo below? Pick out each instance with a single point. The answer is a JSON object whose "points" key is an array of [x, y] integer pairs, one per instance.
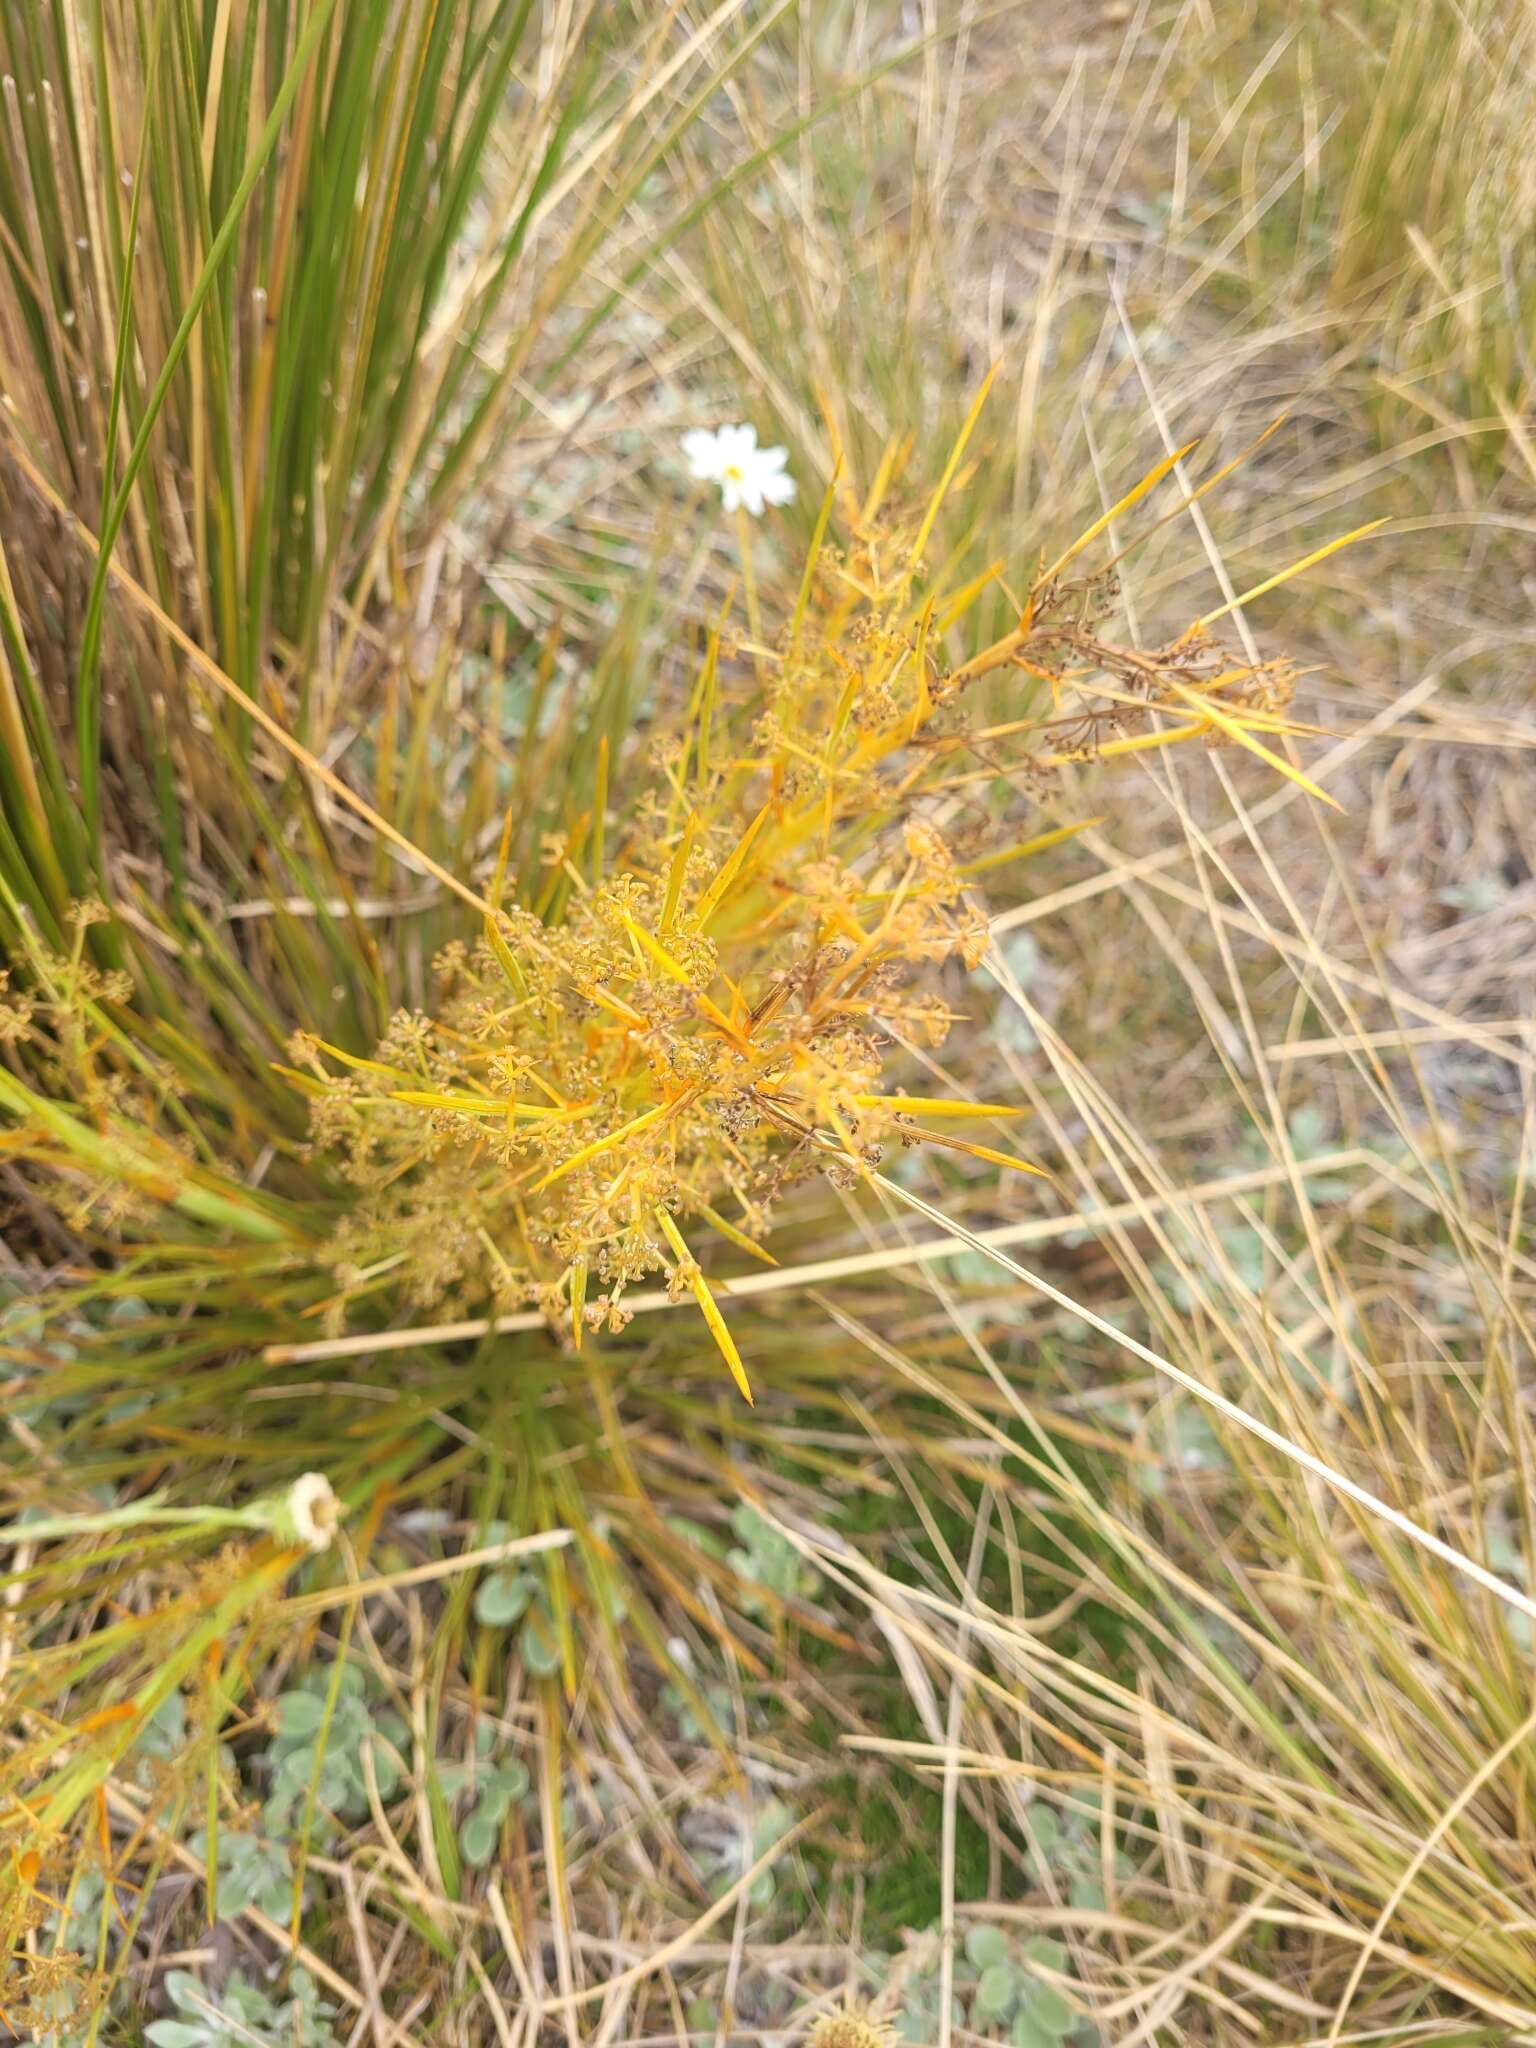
{"points": [[78, 1928], [771, 2002], [1008, 1026], [43, 1360], [38, 1359], [1246, 1252], [506, 1598], [1310, 1139], [1476, 896], [163, 1740], [241, 2013], [302, 1738], [918, 2020], [1507, 1557], [252, 1871], [503, 1597], [493, 1789], [164, 1734], [1005, 1989], [1193, 1446], [59, 2019], [1246, 1248], [717, 1697], [770, 1823], [1069, 1843], [1011, 1993], [765, 1558]]}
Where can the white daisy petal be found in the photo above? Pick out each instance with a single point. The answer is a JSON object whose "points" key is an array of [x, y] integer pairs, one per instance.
{"points": [[738, 445], [749, 477], [702, 449]]}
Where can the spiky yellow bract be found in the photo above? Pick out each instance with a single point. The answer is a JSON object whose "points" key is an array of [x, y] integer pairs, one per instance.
{"points": [[678, 1039]]}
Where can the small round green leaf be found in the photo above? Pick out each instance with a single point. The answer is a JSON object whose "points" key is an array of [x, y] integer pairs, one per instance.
{"points": [[541, 1653], [1026, 2032], [477, 1837], [338, 1783], [996, 1991], [1050, 2011], [503, 1598], [1045, 1826], [495, 1799], [986, 1945], [512, 1776], [299, 1713]]}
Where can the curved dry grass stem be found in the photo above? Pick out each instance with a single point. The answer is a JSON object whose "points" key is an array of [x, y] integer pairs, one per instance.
{"points": [[671, 1951], [1485, 1773], [1362, 1496], [815, 1272]]}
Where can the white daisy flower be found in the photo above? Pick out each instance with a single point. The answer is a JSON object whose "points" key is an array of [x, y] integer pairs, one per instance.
{"points": [[309, 1513], [749, 477]]}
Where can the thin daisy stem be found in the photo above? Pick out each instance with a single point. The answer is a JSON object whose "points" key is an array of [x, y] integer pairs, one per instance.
{"points": [[749, 580]]}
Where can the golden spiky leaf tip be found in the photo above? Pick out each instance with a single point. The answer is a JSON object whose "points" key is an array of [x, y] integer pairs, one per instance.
{"points": [[849, 2026]]}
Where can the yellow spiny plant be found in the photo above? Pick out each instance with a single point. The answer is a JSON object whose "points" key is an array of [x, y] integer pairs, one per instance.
{"points": [[697, 1012]]}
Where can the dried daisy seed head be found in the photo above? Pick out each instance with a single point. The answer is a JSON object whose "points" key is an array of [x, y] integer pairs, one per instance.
{"points": [[849, 2026]]}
